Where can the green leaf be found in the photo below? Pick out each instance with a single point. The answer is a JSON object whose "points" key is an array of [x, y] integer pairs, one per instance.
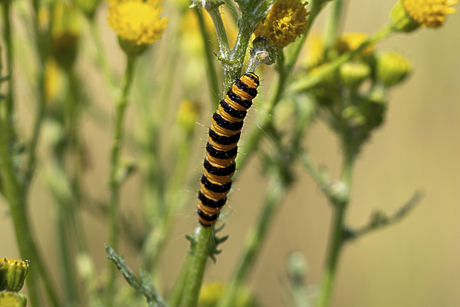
{"points": [[143, 285]]}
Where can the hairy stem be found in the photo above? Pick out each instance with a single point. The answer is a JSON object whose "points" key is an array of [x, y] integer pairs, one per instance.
{"points": [[195, 271]]}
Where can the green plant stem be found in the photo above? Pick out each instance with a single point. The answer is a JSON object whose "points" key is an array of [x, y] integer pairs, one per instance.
{"points": [[307, 83], [255, 238], [175, 296], [68, 197], [338, 233], [21, 222], [266, 118], [335, 246], [195, 271], [114, 184], [334, 22], [68, 276], [212, 7], [36, 131], [9, 58], [41, 40], [101, 57], [212, 77], [14, 197]]}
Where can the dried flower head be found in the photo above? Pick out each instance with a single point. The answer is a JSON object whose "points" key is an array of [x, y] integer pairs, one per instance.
{"points": [[429, 13], [286, 21], [137, 21]]}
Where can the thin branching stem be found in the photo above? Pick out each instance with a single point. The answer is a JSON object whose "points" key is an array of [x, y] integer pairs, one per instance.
{"points": [[381, 222], [114, 183], [9, 58], [213, 10], [41, 38], [22, 225], [209, 55], [334, 23], [338, 232], [101, 57], [175, 296]]}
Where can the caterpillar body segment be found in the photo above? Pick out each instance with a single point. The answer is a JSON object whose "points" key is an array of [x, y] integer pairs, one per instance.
{"points": [[222, 147]]}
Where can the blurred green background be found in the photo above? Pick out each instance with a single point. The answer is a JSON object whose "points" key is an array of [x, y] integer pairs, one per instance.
{"points": [[413, 263]]}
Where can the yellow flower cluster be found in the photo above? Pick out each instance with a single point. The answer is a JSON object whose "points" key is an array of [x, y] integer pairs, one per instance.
{"points": [[429, 13], [137, 21], [286, 21]]}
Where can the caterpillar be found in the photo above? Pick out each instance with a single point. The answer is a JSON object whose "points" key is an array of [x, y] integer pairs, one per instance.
{"points": [[222, 147]]}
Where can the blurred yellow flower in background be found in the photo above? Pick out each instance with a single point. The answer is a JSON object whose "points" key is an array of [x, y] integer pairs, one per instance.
{"points": [[351, 41], [429, 13], [286, 21], [53, 81], [315, 53], [137, 21]]}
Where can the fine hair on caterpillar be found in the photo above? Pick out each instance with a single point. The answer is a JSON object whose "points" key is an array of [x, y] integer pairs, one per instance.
{"points": [[222, 147]]}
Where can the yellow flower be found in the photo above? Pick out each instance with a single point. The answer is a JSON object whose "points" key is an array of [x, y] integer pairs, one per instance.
{"points": [[351, 41], [286, 21], [53, 81], [315, 54], [136, 21], [187, 115], [212, 292], [429, 13]]}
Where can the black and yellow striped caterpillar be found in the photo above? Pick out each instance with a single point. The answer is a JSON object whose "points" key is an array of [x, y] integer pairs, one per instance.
{"points": [[221, 149]]}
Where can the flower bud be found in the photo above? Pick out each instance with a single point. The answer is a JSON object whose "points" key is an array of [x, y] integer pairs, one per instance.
{"points": [[13, 272], [354, 116], [392, 68], [352, 74], [65, 35], [297, 266]]}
